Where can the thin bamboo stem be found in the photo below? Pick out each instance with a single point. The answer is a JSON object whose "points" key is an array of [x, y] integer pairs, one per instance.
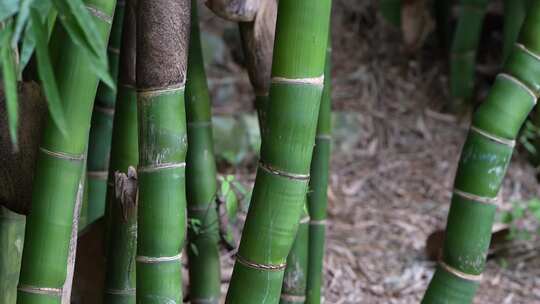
{"points": [[203, 232], [121, 236], [318, 185], [11, 239]]}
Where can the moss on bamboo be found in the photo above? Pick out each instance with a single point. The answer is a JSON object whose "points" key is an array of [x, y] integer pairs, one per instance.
{"points": [[464, 47], [283, 173], [162, 41], [483, 163], [58, 171], [203, 232], [122, 227]]}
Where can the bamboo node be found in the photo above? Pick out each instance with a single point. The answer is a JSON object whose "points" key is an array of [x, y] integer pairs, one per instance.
{"points": [[526, 50], [157, 167], [318, 222], [324, 136], [98, 174], [258, 266], [460, 274], [99, 14], [56, 292], [316, 81], [293, 298], [154, 260], [520, 84], [304, 220], [477, 198], [121, 292], [199, 124], [113, 50], [272, 170], [158, 91], [507, 142], [105, 110], [62, 155]]}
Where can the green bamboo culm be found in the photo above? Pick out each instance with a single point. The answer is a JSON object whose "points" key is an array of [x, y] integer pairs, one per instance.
{"points": [[443, 13], [59, 168], [484, 160], [463, 53], [121, 188], [163, 28], [317, 197], [287, 146], [514, 14], [203, 228], [99, 144], [11, 241], [294, 280]]}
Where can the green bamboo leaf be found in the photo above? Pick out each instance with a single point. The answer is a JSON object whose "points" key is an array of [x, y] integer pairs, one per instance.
{"points": [[83, 31], [29, 43], [8, 8], [45, 71], [22, 19], [9, 72]]}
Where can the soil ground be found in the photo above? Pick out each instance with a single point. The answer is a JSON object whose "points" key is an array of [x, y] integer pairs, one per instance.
{"points": [[393, 168]]}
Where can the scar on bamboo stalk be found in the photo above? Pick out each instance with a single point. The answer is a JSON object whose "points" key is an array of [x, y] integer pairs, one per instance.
{"points": [[257, 30]]}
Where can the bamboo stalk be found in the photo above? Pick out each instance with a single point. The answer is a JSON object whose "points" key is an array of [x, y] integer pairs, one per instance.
{"points": [[162, 39], [514, 14], [203, 232], [283, 173], [464, 47], [58, 171], [11, 241], [99, 146], [121, 203], [318, 185], [484, 160], [294, 280]]}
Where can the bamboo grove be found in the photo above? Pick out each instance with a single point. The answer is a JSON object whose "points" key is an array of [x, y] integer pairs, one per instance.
{"points": [[126, 140]]}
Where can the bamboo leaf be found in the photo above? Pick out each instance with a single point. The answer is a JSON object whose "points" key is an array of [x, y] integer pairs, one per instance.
{"points": [[22, 18], [45, 71], [8, 8], [83, 31], [29, 43], [9, 72]]}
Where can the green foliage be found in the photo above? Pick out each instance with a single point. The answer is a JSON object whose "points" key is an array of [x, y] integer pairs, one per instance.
{"points": [[520, 212], [26, 25], [9, 73], [529, 134]]}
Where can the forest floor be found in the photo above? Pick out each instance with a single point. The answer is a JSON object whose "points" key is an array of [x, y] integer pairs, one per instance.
{"points": [[395, 156]]}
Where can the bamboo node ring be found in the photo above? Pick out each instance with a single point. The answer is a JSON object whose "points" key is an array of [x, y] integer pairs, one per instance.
{"points": [[158, 91], [62, 155], [460, 274], [477, 198], [304, 220], [267, 267], [316, 81], [157, 167], [121, 292], [105, 110], [520, 84], [324, 136], [99, 14], [199, 124], [98, 174], [293, 298], [113, 50], [57, 292], [507, 142], [318, 222], [272, 170], [526, 50], [154, 260]]}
